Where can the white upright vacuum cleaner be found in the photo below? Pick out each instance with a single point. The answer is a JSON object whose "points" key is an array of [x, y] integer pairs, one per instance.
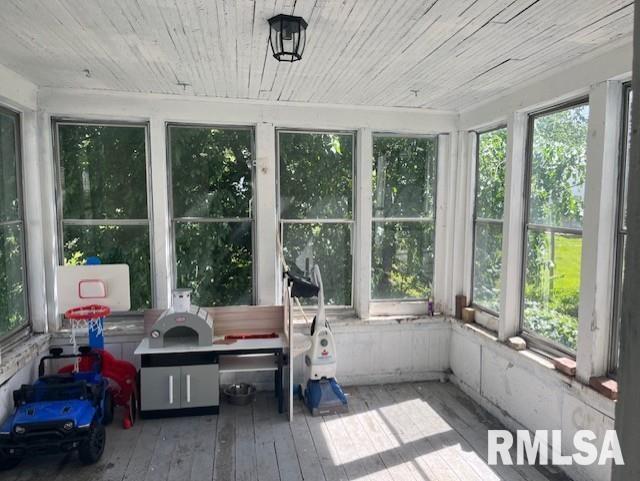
{"points": [[322, 393]]}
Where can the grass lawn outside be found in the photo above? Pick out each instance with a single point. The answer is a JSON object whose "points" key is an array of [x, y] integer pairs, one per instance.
{"points": [[567, 264]]}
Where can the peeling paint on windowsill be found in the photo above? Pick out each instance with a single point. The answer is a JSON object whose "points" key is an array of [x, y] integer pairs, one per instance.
{"points": [[21, 355]]}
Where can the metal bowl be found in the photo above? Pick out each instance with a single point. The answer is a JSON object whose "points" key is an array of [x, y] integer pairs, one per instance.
{"points": [[240, 394]]}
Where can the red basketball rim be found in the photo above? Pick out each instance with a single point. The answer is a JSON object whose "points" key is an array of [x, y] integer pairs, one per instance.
{"points": [[86, 313]]}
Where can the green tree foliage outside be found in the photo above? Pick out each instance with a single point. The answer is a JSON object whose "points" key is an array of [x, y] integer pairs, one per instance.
{"points": [[212, 194], [104, 178], [13, 307], [403, 185], [316, 183], [490, 188], [558, 169]]}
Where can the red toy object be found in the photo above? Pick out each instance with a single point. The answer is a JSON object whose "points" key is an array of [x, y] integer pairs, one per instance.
{"points": [[122, 377], [231, 337]]}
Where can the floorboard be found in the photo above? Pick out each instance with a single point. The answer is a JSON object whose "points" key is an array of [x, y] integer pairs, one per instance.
{"points": [[397, 432]]}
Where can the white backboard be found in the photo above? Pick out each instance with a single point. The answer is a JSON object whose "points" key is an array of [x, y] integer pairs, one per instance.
{"points": [[104, 284]]}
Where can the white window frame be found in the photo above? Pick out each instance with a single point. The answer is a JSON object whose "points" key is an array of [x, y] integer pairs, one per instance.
{"points": [[212, 220], [477, 220], [418, 305], [533, 339], [149, 221], [354, 209]]}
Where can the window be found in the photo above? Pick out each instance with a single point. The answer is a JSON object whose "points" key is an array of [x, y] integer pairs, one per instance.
{"points": [[621, 240], [491, 154], [103, 201], [316, 207], [211, 170], [13, 290], [403, 231], [553, 231]]}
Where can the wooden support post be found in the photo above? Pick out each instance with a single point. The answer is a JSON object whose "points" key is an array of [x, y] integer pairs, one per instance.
{"points": [[441, 273], [598, 245], [33, 218], [363, 228], [163, 261], [628, 407], [266, 217], [510, 294], [49, 220]]}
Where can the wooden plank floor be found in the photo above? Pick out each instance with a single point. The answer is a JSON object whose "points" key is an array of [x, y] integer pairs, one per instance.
{"points": [[398, 432]]}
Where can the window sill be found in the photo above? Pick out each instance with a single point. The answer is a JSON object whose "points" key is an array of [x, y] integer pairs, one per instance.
{"points": [[540, 366], [20, 356], [124, 330], [353, 323]]}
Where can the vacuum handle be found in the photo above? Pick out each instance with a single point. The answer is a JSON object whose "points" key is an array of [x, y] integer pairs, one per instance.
{"points": [[170, 389]]}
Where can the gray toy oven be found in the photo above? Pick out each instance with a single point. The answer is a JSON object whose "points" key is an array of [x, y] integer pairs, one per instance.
{"points": [[179, 375]]}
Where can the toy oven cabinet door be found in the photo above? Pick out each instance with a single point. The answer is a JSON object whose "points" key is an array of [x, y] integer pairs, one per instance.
{"points": [[160, 388], [199, 386]]}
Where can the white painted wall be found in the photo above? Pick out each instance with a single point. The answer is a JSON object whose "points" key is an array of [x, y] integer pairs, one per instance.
{"points": [[525, 392], [369, 352]]}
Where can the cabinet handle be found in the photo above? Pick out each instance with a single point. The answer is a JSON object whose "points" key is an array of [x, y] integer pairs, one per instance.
{"points": [[188, 388], [170, 389]]}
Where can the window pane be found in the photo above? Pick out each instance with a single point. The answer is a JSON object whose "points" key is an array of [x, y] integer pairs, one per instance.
{"points": [[558, 166], [103, 171], [211, 172], [552, 286], [114, 245], [9, 206], [12, 293], [316, 175], [214, 259], [329, 246], [487, 258], [402, 260], [492, 154], [404, 176]]}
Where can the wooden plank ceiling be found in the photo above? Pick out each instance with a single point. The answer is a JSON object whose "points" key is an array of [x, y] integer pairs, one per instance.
{"points": [[442, 54]]}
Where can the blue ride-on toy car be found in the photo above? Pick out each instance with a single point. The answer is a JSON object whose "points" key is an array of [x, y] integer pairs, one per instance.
{"points": [[59, 413]]}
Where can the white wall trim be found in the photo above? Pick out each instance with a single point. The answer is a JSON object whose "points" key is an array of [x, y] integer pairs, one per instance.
{"points": [[173, 108]]}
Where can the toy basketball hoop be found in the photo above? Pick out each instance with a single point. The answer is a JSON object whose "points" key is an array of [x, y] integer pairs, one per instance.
{"points": [[89, 317]]}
